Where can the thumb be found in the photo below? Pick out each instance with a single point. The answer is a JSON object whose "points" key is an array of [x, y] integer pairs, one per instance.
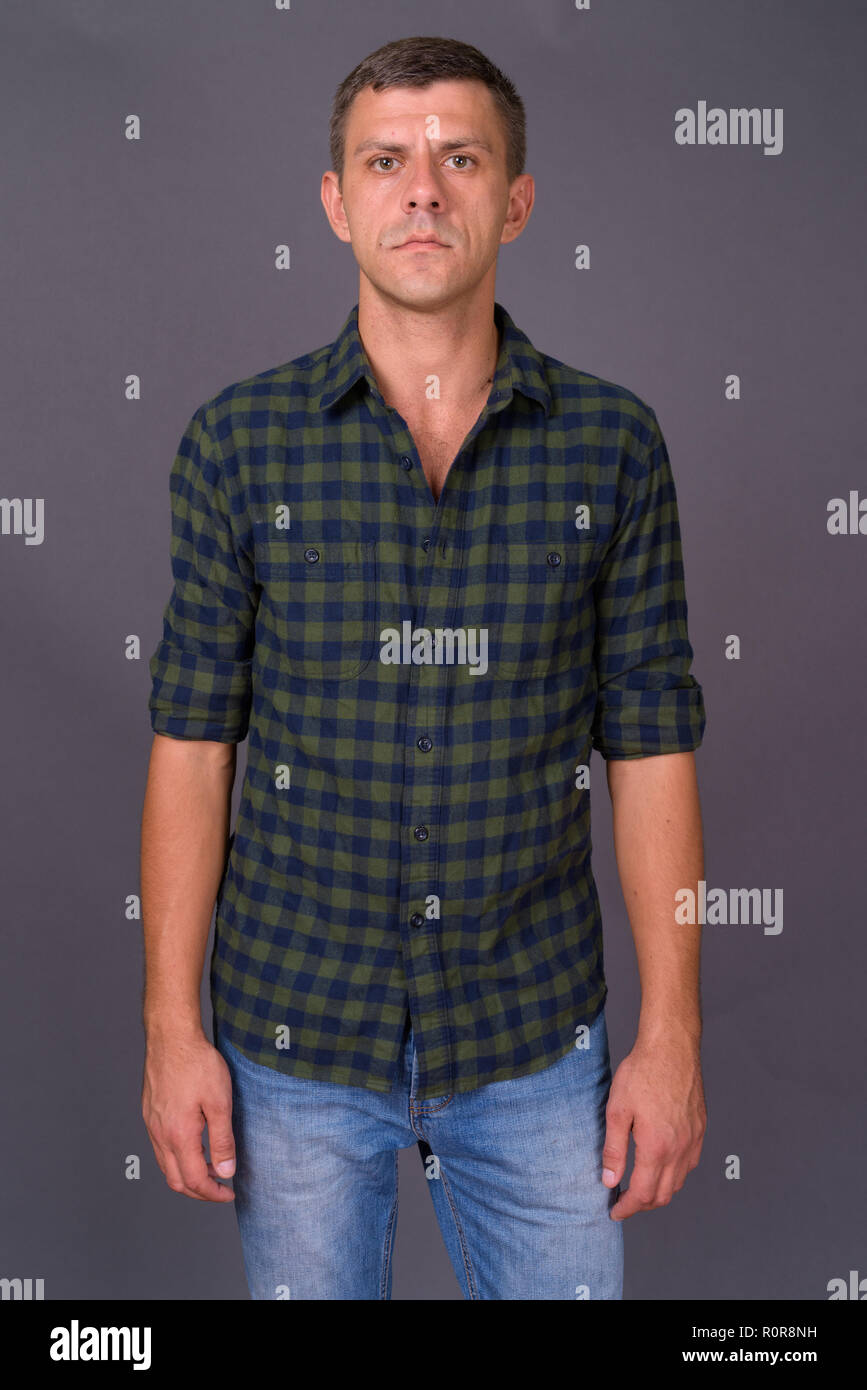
{"points": [[221, 1143], [618, 1123]]}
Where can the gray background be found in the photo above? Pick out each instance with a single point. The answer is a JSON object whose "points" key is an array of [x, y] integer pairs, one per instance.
{"points": [[156, 257]]}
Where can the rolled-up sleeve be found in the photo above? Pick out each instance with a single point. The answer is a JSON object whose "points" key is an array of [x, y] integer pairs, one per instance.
{"points": [[647, 701], [201, 668]]}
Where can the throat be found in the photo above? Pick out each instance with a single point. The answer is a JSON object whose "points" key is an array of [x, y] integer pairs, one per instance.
{"points": [[439, 433]]}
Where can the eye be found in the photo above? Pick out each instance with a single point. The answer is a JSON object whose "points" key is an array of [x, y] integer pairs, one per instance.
{"points": [[380, 159]]}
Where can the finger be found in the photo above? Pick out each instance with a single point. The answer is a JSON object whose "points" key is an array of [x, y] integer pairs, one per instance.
{"points": [[221, 1141], [667, 1185], [681, 1173], [640, 1193], [169, 1168], [694, 1154], [618, 1123], [214, 1174], [174, 1179], [190, 1156]]}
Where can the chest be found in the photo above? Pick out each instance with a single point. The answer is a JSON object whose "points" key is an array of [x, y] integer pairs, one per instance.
{"points": [[438, 439]]}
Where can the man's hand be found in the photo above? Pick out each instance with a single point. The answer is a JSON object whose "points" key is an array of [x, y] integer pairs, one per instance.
{"points": [[186, 1085], [657, 1093]]}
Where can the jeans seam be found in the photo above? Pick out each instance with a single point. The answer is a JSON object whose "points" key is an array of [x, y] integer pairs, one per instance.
{"points": [[389, 1233], [425, 1107], [468, 1269], [462, 1242]]}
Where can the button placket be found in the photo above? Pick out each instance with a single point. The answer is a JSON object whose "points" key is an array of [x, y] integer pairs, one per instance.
{"points": [[425, 747]]}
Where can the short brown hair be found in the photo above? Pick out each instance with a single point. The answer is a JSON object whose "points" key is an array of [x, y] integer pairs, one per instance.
{"points": [[417, 62]]}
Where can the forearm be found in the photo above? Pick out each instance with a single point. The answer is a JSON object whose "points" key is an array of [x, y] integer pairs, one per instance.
{"points": [[659, 850], [184, 835]]}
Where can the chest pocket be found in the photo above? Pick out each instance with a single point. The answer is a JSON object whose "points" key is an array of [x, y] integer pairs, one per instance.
{"points": [[317, 607], [543, 612]]}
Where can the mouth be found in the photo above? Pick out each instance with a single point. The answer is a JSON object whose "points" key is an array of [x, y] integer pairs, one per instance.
{"points": [[421, 246]]}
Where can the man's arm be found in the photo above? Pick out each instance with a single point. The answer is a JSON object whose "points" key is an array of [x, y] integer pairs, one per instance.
{"points": [[184, 836], [657, 1090], [199, 705]]}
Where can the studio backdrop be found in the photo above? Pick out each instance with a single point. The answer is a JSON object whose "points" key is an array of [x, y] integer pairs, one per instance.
{"points": [[698, 237]]}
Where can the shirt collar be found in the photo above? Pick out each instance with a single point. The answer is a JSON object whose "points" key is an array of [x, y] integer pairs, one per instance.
{"points": [[519, 366]]}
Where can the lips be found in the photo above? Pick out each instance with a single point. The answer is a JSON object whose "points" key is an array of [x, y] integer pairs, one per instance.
{"points": [[422, 241]]}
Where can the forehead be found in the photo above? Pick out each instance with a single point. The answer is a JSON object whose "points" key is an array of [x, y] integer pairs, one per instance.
{"points": [[453, 102]]}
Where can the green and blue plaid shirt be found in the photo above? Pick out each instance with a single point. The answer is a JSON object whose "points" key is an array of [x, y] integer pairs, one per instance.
{"points": [[420, 685]]}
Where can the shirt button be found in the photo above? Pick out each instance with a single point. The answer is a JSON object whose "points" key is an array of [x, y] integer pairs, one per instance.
{"points": [[406, 461], [421, 832], [311, 556], [553, 558], [425, 545], [416, 920], [425, 743]]}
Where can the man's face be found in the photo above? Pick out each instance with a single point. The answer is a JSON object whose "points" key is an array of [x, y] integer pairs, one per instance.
{"points": [[432, 161]]}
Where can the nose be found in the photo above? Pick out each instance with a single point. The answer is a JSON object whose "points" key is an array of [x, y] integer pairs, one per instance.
{"points": [[423, 189]]}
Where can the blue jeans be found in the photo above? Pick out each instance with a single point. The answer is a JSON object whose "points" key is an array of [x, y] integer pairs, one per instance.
{"points": [[515, 1172]]}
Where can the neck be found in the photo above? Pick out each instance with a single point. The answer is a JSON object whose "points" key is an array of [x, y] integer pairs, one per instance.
{"points": [[457, 345]]}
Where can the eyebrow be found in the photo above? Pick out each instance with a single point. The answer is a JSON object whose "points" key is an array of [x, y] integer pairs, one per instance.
{"points": [[390, 147]]}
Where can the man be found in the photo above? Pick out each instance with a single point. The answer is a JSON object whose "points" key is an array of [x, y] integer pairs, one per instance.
{"points": [[424, 570]]}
